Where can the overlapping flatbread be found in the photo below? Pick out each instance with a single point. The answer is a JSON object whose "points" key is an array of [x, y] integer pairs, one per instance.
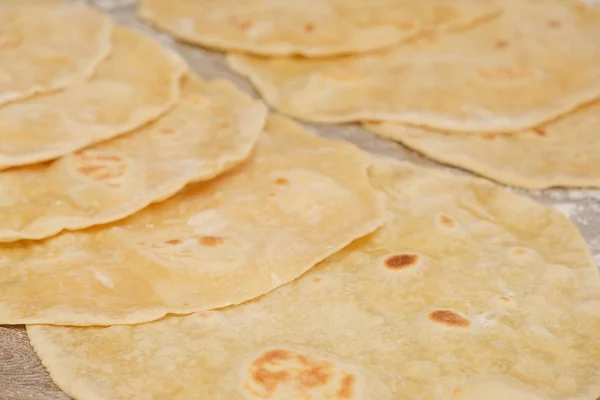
{"points": [[535, 62], [312, 28], [299, 199], [137, 83], [210, 130], [565, 152], [467, 292], [48, 44]]}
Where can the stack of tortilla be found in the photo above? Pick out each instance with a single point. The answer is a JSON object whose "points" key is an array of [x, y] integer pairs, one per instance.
{"points": [[163, 237], [507, 89]]}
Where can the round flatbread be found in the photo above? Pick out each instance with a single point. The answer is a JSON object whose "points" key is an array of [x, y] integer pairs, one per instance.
{"points": [[313, 28], [535, 62], [137, 83], [564, 153], [299, 199], [210, 130], [39, 51], [467, 292]]}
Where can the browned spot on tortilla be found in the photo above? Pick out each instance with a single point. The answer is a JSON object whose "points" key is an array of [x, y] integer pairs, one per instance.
{"points": [[309, 27], [401, 261], [501, 44], [173, 241], [347, 389], [271, 194], [298, 371], [210, 241], [456, 392], [315, 375], [449, 318], [540, 131], [504, 298], [490, 136], [167, 131], [274, 356], [554, 24], [447, 221], [282, 181], [317, 279]]}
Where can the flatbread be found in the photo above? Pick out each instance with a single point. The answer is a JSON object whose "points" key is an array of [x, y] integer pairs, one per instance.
{"points": [[313, 28], [299, 199], [535, 62], [138, 82], [468, 292], [210, 130], [39, 51], [564, 153]]}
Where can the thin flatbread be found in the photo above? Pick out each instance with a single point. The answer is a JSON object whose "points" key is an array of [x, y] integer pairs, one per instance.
{"points": [[48, 44], [137, 83], [538, 60], [313, 28], [467, 292], [562, 153], [210, 130], [298, 200]]}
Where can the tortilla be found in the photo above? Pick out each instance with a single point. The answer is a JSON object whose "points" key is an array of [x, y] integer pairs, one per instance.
{"points": [[39, 51], [313, 28], [299, 199], [211, 129], [535, 62], [137, 83], [564, 153], [467, 292]]}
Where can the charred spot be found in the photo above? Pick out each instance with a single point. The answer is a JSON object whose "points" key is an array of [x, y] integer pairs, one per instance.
{"points": [[540, 131], [501, 44], [309, 27], [347, 387], [273, 356], [401, 261], [447, 221], [167, 131], [314, 376], [282, 182], [268, 379], [317, 279], [554, 24], [449, 318], [490, 137], [173, 242], [211, 241], [504, 298]]}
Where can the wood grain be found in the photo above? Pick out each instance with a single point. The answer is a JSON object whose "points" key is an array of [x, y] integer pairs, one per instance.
{"points": [[22, 376]]}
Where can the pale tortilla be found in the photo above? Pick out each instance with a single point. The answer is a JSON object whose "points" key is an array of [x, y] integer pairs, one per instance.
{"points": [[564, 153], [48, 44], [138, 82], [468, 292], [210, 130], [299, 199], [535, 62], [313, 28]]}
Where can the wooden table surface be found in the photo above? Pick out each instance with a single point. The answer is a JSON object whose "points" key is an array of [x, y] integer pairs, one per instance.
{"points": [[22, 376]]}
